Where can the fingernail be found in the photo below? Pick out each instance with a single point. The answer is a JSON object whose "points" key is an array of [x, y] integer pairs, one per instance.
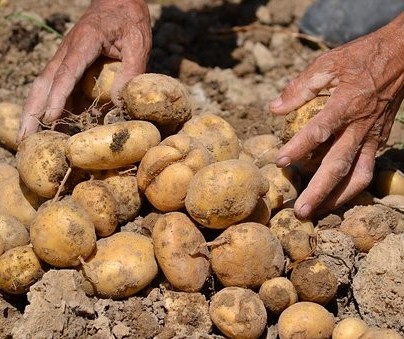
{"points": [[283, 162], [304, 211], [276, 102]]}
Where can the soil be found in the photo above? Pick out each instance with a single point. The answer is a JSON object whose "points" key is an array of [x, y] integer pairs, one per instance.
{"points": [[233, 56]]}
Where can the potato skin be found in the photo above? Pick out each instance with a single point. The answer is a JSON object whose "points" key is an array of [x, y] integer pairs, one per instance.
{"points": [[97, 199], [12, 232], [123, 264], [18, 200], [10, 115], [158, 98], [214, 133], [238, 313], [166, 170], [112, 146], [306, 320], [42, 163], [61, 233], [20, 267], [181, 251], [246, 255], [224, 193], [277, 294]]}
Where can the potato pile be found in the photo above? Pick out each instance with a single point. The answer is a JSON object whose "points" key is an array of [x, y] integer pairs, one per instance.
{"points": [[224, 213]]}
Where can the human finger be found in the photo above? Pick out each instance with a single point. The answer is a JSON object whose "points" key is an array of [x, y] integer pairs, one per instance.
{"points": [[359, 178], [68, 74], [319, 75], [325, 123], [334, 167]]}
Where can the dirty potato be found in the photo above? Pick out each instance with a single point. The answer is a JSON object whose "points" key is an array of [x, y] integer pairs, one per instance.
{"points": [[224, 193], [181, 251], [112, 146], [166, 170], [42, 163], [10, 115]]}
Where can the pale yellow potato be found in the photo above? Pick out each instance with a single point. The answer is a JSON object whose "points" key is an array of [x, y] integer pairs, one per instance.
{"points": [[380, 333], [224, 193], [214, 133], [277, 294], [13, 232], [166, 170], [286, 180], [123, 264], [238, 313], [62, 233], [349, 328], [389, 182], [126, 192], [18, 200], [305, 320], [42, 163], [10, 115], [368, 225], [1, 246], [98, 79], [20, 267], [297, 244], [97, 199], [285, 221], [112, 146], [260, 149], [181, 251], [246, 255], [6, 171], [261, 213], [314, 281], [158, 98]]}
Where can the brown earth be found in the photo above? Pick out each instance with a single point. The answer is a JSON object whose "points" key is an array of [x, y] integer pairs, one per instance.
{"points": [[233, 56]]}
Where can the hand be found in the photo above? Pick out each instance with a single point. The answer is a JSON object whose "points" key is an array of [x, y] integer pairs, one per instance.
{"points": [[117, 29], [366, 81]]}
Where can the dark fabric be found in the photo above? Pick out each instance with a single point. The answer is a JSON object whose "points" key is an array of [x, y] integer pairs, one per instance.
{"points": [[339, 21]]}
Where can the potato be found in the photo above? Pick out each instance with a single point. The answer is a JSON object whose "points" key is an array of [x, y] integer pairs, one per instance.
{"points": [[297, 244], [379, 333], [246, 255], [62, 233], [306, 320], [261, 213], [285, 221], [158, 98], [20, 267], [389, 182], [112, 146], [98, 79], [12, 232], [97, 199], [367, 225], [181, 251], [216, 134], [123, 264], [224, 193], [260, 149], [6, 171], [287, 180], [238, 313], [314, 281], [125, 190], [2, 245], [10, 115], [42, 163], [277, 294], [349, 328], [166, 170], [18, 200]]}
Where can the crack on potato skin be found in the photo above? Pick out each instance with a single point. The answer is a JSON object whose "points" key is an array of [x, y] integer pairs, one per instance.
{"points": [[119, 139]]}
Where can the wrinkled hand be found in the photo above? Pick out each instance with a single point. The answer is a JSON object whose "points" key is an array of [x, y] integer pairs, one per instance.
{"points": [[117, 29], [366, 81]]}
